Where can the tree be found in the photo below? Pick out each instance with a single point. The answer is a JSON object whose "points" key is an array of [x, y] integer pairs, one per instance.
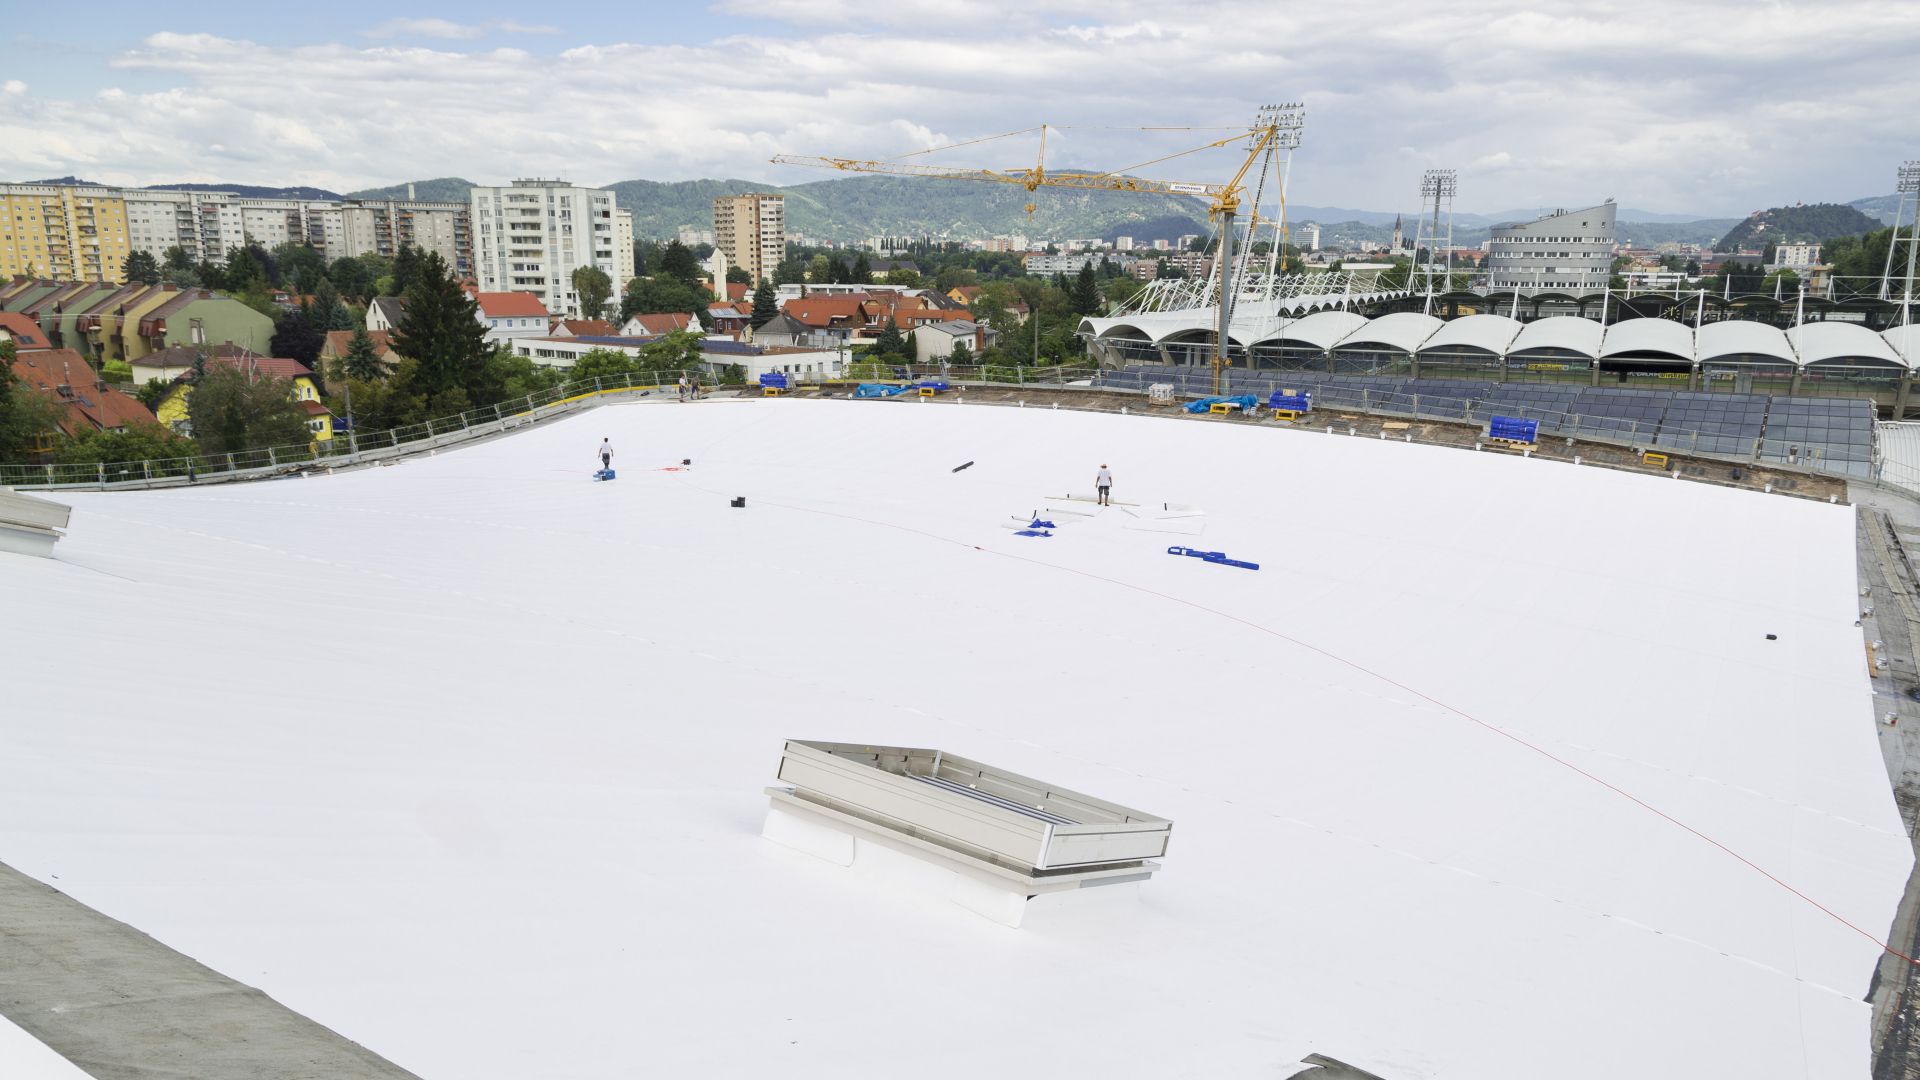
{"points": [[765, 305], [737, 275], [329, 313], [152, 393], [678, 263], [862, 273], [143, 269], [406, 268], [1692, 269], [138, 442], [661, 293], [596, 365], [440, 331], [297, 338], [819, 270], [594, 288], [178, 259], [891, 341], [233, 409], [1084, 293], [362, 361], [680, 350], [903, 276], [25, 416]]}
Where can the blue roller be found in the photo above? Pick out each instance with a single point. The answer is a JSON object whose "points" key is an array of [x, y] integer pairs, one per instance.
{"points": [[1033, 532], [1219, 557]]}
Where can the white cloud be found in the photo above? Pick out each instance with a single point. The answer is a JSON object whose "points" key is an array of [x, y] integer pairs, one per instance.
{"points": [[1706, 107], [11, 87], [449, 30]]}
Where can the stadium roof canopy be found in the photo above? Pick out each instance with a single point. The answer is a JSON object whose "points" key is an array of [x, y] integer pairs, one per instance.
{"points": [[1491, 333], [1404, 331], [1564, 332], [1739, 337], [1834, 342], [1643, 336], [1322, 329]]}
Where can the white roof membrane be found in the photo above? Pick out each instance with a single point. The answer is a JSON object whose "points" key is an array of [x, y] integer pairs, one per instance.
{"points": [[1490, 332], [473, 743], [1322, 329], [1739, 337], [1402, 330], [1568, 332], [1841, 342], [1648, 336]]}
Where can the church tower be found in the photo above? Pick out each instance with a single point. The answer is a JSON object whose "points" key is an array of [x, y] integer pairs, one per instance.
{"points": [[1399, 237]]}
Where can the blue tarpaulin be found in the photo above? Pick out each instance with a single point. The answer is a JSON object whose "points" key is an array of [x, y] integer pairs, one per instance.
{"points": [[1290, 401], [1514, 429], [874, 389], [1245, 401], [775, 379]]}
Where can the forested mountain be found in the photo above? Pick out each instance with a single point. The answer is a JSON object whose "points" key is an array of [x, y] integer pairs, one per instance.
{"points": [[444, 189], [1804, 224]]}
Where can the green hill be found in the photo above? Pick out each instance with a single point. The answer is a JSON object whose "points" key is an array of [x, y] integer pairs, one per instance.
{"points": [[858, 207], [445, 189], [1803, 224]]}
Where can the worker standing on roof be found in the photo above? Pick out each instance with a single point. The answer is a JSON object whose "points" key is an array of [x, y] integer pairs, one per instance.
{"points": [[1103, 483], [606, 454]]}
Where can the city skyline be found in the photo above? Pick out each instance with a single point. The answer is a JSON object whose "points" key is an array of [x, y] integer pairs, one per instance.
{"points": [[1714, 109]]}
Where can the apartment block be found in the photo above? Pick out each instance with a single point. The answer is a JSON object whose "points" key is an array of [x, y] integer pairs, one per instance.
{"points": [[531, 235], [72, 233], [752, 231], [374, 227], [622, 249]]}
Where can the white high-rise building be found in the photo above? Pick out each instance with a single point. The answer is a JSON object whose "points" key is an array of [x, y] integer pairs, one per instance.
{"points": [[531, 235], [622, 249], [207, 224]]}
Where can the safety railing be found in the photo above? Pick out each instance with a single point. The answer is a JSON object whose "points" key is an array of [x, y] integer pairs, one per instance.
{"points": [[347, 447]]}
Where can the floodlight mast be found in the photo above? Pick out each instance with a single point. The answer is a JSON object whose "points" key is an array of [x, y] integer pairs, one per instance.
{"points": [[1437, 186], [1906, 232], [1275, 127]]}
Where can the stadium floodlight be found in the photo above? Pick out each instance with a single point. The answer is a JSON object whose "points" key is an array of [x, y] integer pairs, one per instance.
{"points": [[1908, 178], [1287, 119], [1439, 184]]}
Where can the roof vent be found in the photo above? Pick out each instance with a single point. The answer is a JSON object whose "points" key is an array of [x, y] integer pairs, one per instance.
{"points": [[1005, 841]]}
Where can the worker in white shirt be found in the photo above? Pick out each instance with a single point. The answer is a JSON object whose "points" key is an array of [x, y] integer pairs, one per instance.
{"points": [[1103, 483], [606, 454]]}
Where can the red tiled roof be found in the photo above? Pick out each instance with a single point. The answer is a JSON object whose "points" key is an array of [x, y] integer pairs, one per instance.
{"points": [[664, 322], [587, 327], [339, 340], [737, 290], [510, 305], [26, 333], [271, 366], [828, 311], [88, 405], [314, 408]]}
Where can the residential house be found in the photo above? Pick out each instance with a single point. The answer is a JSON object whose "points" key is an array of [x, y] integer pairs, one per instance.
{"points": [[933, 341], [383, 313], [582, 328], [174, 361], [832, 320], [510, 315], [730, 320], [85, 402], [197, 317], [334, 349], [964, 294], [25, 334], [174, 413], [664, 322]]}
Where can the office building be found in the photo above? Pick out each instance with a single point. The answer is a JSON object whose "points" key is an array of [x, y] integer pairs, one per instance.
{"points": [[1567, 251]]}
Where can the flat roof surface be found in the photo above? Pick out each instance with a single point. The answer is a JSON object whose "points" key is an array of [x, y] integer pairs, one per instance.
{"points": [[474, 744]]}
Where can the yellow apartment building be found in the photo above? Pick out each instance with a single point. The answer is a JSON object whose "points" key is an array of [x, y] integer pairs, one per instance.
{"points": [[68, 233]]}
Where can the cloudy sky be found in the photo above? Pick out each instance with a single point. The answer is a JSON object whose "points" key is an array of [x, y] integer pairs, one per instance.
{"points": [[1701, 106]]}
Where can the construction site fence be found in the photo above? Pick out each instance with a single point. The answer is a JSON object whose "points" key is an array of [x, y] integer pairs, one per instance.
{"points": [[348, 448]]}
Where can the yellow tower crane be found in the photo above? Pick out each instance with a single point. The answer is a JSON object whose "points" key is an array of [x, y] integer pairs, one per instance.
{"points": [[1276, 127]]}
